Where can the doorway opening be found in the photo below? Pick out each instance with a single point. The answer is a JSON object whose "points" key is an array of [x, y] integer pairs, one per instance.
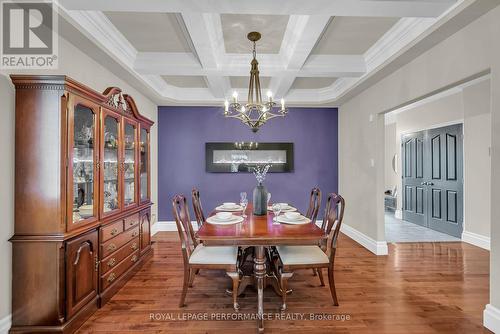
{"points": [[437, 156]]}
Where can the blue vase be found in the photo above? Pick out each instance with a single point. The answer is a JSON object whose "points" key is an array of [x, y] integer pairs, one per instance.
{"points": [[260, 200]]}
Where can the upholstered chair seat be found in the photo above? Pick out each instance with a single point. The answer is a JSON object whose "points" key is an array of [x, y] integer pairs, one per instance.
{"points": [[297, 255], [214, 255]]}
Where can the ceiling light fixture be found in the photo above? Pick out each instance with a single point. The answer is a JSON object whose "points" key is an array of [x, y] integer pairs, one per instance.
{"points": [[254, 113]]}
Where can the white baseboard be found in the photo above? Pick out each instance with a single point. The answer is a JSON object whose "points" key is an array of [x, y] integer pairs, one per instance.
{"points": [[398, 214], [168, 226], [5, 324], [376, 247], [476, 239], [491, 318]]}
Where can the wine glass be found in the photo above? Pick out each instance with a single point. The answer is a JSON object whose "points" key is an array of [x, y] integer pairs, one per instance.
{"points": [[268, 198], [276, 211], [244, 203], [243, 196]]}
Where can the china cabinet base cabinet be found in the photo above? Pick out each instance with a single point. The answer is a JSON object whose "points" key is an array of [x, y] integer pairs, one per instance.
{"points": [[82, 201]]}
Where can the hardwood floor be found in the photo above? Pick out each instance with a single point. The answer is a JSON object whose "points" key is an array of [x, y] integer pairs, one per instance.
{"points": [[418, 288]]}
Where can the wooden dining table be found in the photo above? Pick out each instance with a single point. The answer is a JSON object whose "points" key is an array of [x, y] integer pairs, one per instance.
{"points": [[259, 232]]}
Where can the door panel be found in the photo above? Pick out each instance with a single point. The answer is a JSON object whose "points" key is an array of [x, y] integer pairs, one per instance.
{"points": [[414, 195], [145, 231], [81, 272], [433, 179], [436, 157], [450, 181]]}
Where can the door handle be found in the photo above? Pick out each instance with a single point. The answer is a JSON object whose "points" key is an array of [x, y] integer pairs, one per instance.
{"points": [[430, 183], [423, 183]]}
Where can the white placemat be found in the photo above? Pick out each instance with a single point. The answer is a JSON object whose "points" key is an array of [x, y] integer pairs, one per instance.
{"points": [[289, 209], [235, 209], [284, 220], [233, 220]]}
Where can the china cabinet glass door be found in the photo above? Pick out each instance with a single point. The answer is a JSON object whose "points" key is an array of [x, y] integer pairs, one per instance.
{"points": [[144, 165], [110, 192], [129, 164], [82, 167]]}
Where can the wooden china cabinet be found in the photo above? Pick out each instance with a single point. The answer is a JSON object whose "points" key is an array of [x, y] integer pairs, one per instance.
{"points": [[82, 200]]}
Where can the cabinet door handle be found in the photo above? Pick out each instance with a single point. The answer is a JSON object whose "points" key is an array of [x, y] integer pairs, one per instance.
{"points": [[114, 231], [134, 246], [132, 222], [135, 234], [111, 277], [111, 262], [111, 247], [134, 258]]}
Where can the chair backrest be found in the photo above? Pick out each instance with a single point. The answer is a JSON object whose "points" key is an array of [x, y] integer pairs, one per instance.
{"points": [[197, 208], [334, 214], [314, 204], [184, 227]]}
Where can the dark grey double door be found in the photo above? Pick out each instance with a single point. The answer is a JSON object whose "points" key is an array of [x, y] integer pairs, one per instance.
{"points": [[433, 179]]}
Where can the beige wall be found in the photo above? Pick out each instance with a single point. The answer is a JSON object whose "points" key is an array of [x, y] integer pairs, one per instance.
{"points": [[470, 106], [74, 63], [469, 52]]}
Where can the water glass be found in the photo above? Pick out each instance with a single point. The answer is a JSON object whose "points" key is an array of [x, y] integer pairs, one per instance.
{"points": [[276, 210], [268, 198], [244, 203]]}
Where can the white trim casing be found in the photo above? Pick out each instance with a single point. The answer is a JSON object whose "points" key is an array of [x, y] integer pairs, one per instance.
{"points": [[476, 239], [5, 324], [376, 247], [491, 318]]}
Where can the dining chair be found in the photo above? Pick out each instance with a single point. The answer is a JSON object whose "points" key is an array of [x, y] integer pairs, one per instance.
{"points": [[291, 258], [314, 204], [197, 256], [312, 213], [197, 208]]}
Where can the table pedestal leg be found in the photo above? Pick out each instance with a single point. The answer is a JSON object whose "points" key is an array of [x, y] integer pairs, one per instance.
{"points": [[260, 271]]}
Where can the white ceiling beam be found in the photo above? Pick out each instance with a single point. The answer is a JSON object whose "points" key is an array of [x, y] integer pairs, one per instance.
{"points": [[381, 8], [176, 63], [205, 30], [301, 35]]}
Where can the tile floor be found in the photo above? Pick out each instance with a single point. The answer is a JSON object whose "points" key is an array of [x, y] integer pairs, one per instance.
{"points": [[397, 230]]}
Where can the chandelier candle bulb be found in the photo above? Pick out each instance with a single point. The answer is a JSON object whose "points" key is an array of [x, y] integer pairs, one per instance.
{"points": [[235, 97], [226, 106], [282, 104], [270, 96]]}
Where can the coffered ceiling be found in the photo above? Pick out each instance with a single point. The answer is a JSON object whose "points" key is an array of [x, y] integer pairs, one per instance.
{"points": [[196, 51]]}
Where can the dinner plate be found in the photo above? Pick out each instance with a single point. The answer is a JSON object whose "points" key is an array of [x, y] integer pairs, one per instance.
{"points": [[236, 208], [288, 209], [302, 220], [233, 220]]}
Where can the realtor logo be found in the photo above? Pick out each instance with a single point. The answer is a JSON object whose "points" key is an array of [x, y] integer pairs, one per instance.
{"points": [[29, 38]]}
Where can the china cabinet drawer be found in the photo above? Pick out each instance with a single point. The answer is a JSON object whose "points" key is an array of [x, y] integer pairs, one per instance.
{"points": [[115, 258], [132, 220], [112, 275], [111, 230], [112, 245]]}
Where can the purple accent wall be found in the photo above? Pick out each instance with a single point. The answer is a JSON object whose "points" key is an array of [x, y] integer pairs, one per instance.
{"points": [[183, 132]]}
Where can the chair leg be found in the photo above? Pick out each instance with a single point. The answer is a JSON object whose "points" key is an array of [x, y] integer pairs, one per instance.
{"points": [[185, 285], [284, 287], [332, 286], [314, 271], [320, 274], [192, 274], [236, 282]]}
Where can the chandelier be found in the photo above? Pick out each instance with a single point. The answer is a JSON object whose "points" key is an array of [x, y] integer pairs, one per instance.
{"points": [[254, 112]]}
